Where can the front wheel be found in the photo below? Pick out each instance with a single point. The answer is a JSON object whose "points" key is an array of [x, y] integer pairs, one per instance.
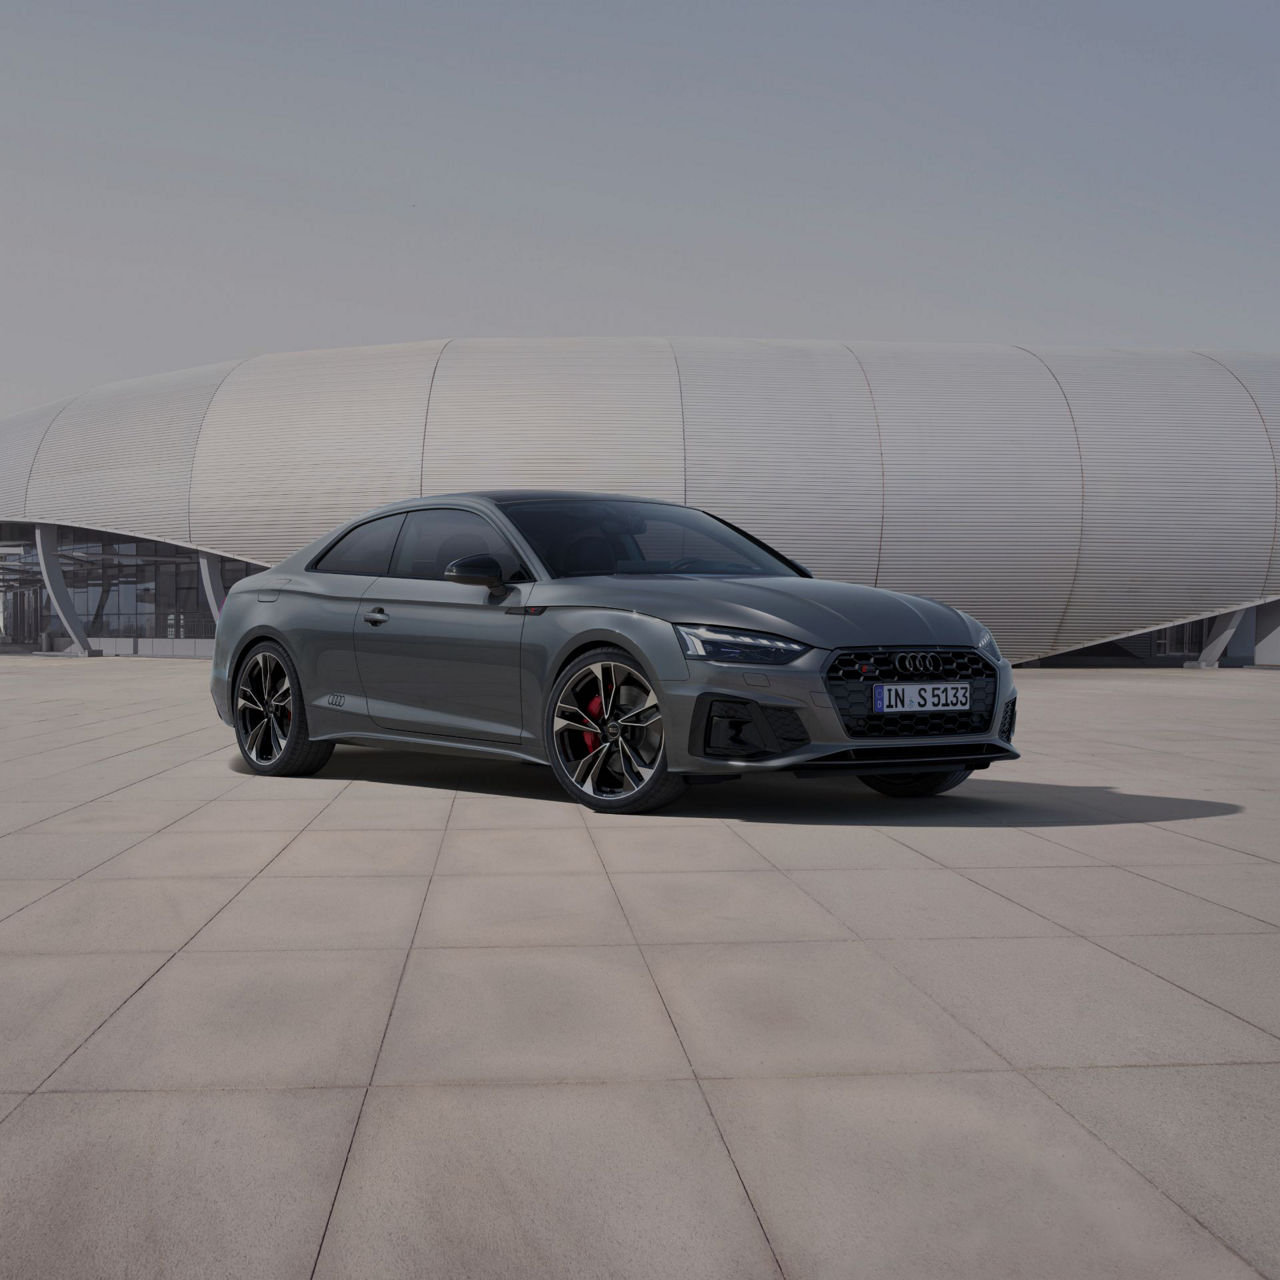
{"points": [[271, 717], [604, 735], [908, 785]]}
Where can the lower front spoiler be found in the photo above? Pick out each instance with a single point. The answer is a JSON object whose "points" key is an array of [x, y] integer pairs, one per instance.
{"points": [[909, 759], [917, 758]]}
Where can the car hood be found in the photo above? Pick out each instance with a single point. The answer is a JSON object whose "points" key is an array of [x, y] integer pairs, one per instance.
{"points": [[818, 612]]}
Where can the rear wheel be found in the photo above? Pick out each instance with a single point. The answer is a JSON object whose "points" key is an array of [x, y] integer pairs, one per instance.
{"points": [[271, 716], [908, 785], [604, 735]]}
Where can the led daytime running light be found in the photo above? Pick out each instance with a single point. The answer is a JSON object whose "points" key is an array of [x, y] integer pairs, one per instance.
{"points": [[723, 645]]}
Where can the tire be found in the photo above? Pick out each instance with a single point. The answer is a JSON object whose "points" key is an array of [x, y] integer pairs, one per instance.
{"points": [[604, 735], [274, 742], [913, 785]]}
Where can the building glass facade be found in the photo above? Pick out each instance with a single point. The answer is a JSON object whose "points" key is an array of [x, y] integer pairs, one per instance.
{"points": [[122, 588]]}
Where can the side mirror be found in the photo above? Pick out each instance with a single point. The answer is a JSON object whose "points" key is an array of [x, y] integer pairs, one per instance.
{"points": [[476, 571]]}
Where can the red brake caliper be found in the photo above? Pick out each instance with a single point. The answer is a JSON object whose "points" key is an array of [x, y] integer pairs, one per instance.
{"points": [[594, 708]]}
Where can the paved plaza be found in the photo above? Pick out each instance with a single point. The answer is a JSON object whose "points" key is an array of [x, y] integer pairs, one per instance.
{"points": [[421, 1016]]}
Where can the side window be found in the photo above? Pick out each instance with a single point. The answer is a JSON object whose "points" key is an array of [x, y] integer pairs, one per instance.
{"points": [[366, 549], [434, 539]]}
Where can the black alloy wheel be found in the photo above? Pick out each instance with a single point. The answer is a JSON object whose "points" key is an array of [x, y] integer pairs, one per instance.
{"points": [[605, 736], [271, 718]]}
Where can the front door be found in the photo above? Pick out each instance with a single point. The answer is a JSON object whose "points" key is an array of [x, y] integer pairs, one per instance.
{"points": [[437, 657]]}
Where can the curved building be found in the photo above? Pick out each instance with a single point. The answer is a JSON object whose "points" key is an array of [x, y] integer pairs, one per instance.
{"points": [[1065, 496]]}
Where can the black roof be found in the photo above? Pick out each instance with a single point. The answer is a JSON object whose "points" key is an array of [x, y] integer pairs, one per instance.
{"points": [[528, 495]]}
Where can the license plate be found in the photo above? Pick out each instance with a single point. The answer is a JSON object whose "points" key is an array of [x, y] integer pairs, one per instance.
{"points": [[921, 697]]}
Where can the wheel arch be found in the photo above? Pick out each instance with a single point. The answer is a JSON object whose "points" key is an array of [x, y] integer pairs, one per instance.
{"points": [[247, 641]]}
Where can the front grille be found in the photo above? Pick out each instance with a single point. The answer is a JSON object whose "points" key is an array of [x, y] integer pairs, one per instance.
{"points": [[853, 672], [1009, 719]]}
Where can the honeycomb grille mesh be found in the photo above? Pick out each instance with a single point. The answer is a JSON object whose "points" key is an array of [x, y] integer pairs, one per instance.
{"points": [[1009, 719], [854, 672], [787, 727]]}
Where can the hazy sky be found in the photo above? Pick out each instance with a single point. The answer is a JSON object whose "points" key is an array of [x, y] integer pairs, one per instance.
{"points": [[181, 184]]}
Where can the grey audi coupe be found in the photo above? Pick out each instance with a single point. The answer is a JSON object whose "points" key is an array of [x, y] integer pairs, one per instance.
{"points": [[632, 645]]}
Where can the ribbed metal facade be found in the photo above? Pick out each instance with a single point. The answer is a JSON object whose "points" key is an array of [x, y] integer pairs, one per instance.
{"points": [[777, 432], [97, 448], [1064, 496]]}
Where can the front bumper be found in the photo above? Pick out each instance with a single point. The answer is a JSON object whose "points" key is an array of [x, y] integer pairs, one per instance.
{"points": [[800, 690]]}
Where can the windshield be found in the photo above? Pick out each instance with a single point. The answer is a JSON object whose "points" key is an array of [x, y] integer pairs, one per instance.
{"points": [[578, 537]]}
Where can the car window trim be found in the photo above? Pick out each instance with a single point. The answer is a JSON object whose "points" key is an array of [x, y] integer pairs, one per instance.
{"points": [[312, 565]]}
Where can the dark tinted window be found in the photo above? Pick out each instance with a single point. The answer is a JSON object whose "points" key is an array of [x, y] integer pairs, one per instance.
{"points": [[366, 549], [576, 537], [434, 539]]}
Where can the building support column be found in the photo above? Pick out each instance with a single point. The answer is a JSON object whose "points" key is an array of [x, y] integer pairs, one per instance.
{"points": [[56, 586], [1219, 637], [1266, 639], [211, 581]]}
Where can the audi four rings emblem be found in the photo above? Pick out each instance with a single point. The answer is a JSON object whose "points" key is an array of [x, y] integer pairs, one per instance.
{"points": [[918, 664]]}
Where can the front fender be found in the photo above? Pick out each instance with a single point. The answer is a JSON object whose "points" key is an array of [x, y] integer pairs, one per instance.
{"points": [[552, 639]]}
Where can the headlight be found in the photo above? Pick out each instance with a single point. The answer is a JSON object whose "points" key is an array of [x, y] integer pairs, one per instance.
{"points": [[728, 644], [987, 644]]}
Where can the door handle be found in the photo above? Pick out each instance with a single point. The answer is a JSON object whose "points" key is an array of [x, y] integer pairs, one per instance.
{"points": [[376, 616]]}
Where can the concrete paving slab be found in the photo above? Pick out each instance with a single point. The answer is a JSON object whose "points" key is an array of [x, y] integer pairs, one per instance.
{"points": [[15, 815], [1067, 1002], [542, 1182], [710, 848], [1205, 1135], [958, 1176], [273, 789], [541, 1013], [521, 911], [298, 913], [532, 852], [1110, 900], [1246, 832], [1237, 972], [935, 903], [251, 815], [166, 788], [1175, 754], [358, 853], [117, 915], [1253, 889], [240, 1020], [805, 1008], [1140, 845], [793, 846], [395, 809], [16, 894], [118, 1186], [120, 815], [493, 813], [675, 815], [60, 855], [194, 853], [985, 846], [49, 1004], [9, 1102], [722, 906]]}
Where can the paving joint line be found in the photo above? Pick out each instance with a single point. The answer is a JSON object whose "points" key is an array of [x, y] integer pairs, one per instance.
{"points": [[702, 1093], [377, 1057]]}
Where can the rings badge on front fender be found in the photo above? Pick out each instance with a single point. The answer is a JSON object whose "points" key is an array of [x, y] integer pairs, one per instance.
{"points": [[917, 664], [337, 699]]}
